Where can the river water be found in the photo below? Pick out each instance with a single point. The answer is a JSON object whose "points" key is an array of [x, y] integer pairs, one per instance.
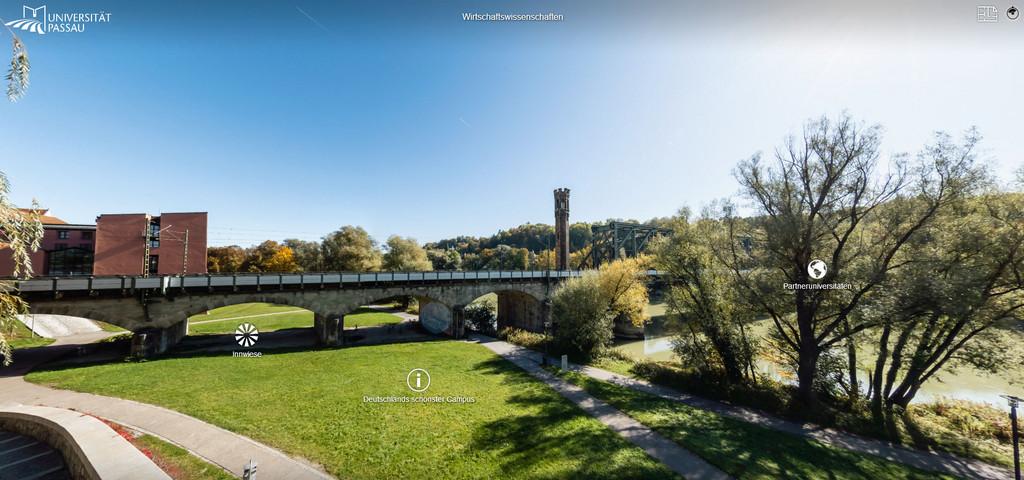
{"points": [[965, 383]]}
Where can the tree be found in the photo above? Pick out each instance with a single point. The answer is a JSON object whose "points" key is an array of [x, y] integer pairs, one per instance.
{"points": [[20, 234], [18, 72], [351, 249], [225, 259], [270, 256], [482, 314], [965, 277], [709, 313], [405, 255], [449, 259], [282, 261], [584, 308], [812, 204], [309, 255]]}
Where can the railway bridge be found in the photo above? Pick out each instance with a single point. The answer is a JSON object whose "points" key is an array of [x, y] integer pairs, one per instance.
{"points": [[156, 309]]}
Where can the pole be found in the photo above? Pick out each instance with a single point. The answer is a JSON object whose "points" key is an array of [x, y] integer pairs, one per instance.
{"points": [[184, 256], [1016, 440]]}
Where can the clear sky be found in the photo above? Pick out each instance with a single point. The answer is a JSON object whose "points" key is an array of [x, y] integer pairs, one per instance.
{"points": [[290, 119]]}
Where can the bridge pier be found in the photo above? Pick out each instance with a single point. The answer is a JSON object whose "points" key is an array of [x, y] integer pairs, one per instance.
{"points": [[458, 329], [154, 341], [330, 329]]}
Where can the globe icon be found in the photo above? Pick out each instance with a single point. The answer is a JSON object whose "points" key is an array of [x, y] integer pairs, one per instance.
{"points": [[817, 269]]}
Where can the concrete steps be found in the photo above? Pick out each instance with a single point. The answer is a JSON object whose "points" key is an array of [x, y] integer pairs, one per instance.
{"points": [[25, 458]]}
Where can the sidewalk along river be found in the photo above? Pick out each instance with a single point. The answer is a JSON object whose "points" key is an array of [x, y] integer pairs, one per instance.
{"points": [[965, 383]]}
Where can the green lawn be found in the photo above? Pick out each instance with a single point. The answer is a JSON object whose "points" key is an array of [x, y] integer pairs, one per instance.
{"points": [[367, 317], [268, 317], [106, 327], [244, 310], [311, 404], [177, 462], [20, 336], [743, 450], [295, 318]]}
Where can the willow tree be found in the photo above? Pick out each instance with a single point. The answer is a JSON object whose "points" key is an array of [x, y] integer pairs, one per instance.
{"points": [[963, 278], [20, 232], [708, 313], [20, 235], [812, 202]]}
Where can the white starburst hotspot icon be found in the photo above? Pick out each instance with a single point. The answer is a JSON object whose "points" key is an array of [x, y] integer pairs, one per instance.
{"points": [[817, 269], [246, 335]]}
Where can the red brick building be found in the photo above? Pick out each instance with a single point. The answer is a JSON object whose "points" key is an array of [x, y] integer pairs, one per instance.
{"points": [[119, 244], [137, 244], [66, 249]]}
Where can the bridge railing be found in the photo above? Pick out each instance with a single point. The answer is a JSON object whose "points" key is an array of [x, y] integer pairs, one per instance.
{"points": [[163, 282]]}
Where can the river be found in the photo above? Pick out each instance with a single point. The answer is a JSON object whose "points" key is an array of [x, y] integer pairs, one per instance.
{"points": [[965, 383]]}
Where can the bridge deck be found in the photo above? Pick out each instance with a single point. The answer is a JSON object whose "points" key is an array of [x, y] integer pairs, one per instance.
{"points": [[82, 283]]}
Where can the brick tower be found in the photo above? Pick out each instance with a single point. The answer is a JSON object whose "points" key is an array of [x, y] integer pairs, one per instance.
{"points": [[562, 228]]}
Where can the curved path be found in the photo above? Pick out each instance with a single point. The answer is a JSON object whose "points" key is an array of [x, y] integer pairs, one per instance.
{"points": [[682, 461], [225, 449]]}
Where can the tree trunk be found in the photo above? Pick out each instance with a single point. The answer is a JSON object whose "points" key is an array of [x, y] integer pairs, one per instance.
{"points": [[806, 372], [851, 355], [807, 364], [876, 379]]}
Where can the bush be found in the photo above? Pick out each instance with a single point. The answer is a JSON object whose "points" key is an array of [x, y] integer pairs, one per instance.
{"points": [[973, 420], [524, 338], [763, 394], [580, 311], [481, 316]]}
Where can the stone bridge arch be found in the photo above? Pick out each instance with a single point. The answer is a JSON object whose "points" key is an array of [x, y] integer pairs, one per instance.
{"points": [[164, 318]]}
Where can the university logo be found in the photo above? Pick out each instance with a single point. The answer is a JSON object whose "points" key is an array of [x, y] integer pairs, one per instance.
{"points": [[36, 23], [39, 20]]}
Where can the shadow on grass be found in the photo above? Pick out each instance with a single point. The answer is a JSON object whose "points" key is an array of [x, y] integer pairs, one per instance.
{"points": [[205, 348], [551, 428], [744, 450]]}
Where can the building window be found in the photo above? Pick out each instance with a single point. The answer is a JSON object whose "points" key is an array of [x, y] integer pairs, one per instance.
{"points": [[154, 233], [63, 234], [60, 246], [71, 261], [85, 246], [86, 235], [154, 264]]}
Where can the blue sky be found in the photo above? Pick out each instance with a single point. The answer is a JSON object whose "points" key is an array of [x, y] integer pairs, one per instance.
{"points": [[290, 119]]}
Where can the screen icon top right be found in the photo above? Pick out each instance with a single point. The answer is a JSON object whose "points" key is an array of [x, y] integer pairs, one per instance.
{"points": [[990, 13]]}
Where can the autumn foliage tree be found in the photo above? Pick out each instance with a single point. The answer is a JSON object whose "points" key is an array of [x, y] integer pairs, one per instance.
{"points": [[584, 308]]}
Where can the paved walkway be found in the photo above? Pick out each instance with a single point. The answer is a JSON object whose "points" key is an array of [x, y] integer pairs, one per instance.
{"points": [[214, 444], [929, 461], [677, 458]]}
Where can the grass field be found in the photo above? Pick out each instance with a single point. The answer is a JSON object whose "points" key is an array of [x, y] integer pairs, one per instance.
{"points": [[177, 462], [367, 317], [106, 327], [743, 450], [311, 404], [19, 336], [268, 317]]}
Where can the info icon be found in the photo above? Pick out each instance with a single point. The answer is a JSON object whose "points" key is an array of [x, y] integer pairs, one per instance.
{"points": [[418, 380], [1012, 13]]}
